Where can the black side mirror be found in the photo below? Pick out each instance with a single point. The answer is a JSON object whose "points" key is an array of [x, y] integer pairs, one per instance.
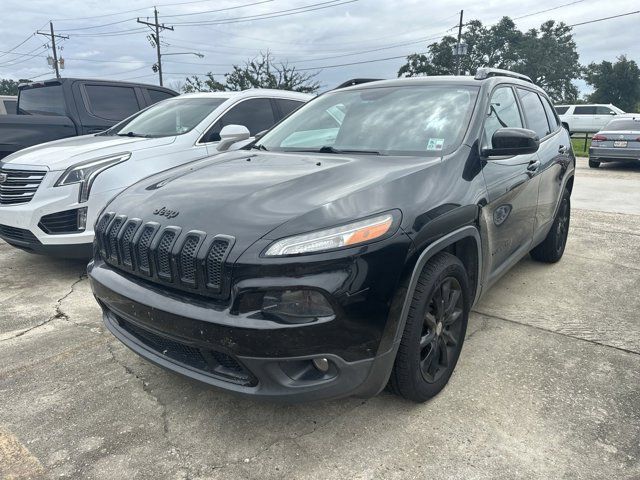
{"points": [[512, 141]]}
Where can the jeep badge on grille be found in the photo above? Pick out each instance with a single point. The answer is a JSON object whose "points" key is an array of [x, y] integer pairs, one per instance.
{"points": [[165, 212]]}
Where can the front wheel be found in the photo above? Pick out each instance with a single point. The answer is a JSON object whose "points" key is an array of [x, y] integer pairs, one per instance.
{"points": [[435, 330], [552, 247]]}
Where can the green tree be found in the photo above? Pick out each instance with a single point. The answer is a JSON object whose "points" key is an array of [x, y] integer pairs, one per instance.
{"points": [[9, 87], [548, 55], [617, 83], [258, 72]]}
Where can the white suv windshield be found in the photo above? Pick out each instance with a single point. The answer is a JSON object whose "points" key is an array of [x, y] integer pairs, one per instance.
{"points": [[168, 118], [426, 120]]}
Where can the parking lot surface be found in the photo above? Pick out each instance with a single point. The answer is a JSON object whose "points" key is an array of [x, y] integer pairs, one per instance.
{"points": [[548, 384]]}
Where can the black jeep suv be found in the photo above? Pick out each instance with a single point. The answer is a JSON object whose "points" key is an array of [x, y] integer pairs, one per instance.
{"points": [[343, 250]]}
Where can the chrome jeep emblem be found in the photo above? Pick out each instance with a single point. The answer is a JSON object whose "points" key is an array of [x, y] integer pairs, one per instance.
{"points": [[3, 177], [165, 212]]}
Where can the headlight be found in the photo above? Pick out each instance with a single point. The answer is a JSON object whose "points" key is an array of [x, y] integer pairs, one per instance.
{"points": [[332, 238], [86, 172]]}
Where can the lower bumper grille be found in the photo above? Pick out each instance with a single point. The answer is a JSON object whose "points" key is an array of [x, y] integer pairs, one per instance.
{"points": [[19, 235], [60, 222], [19, 186], [211, 362]]}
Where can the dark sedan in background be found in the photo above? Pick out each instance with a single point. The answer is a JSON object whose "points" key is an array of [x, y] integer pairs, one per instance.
{"points": [[618, 141]]}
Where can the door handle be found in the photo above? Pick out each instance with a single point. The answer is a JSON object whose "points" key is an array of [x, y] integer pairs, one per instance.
{"points": [[533, 166], [562, 149]]}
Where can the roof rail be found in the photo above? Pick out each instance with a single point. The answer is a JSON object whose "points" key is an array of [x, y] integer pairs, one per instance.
{"points": [[356, 81], [485, 72]]}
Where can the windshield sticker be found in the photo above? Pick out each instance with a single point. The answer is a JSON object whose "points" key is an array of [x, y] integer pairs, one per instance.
{"points": [[435, 144]]}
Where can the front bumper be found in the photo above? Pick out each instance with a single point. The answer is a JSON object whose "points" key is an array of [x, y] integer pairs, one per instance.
{"points": [[19, 223], [614, 154], [202, 339]]}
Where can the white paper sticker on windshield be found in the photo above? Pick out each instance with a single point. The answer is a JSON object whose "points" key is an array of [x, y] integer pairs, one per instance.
{"points": [[435, 144]]}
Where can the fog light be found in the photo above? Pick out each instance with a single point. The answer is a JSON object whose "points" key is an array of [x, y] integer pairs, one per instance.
{"points": [[321, 364], [296, 306], [82, 219]]}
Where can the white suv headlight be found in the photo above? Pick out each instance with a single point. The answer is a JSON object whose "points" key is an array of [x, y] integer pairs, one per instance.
{"points": [[86, 172], [344, 236]]}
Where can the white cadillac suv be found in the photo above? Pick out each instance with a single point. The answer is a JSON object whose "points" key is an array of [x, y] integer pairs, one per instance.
{"points": [[50, 194]]}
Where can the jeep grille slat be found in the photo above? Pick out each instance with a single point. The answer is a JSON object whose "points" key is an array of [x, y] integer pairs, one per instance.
{"points": [[189, 261]]}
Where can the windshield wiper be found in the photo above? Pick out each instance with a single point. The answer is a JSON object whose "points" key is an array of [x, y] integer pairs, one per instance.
{"points": [[132, 134], [330, 149], [259, 147]]}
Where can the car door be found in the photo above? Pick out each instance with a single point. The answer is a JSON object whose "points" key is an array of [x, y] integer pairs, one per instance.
{"points": [[512, 188], [583, 118], [102, 106], [254, 113], [553, 155], [603, 116]]}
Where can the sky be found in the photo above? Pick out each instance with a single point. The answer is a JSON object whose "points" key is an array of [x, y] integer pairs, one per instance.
{"points": [[105, 41]]}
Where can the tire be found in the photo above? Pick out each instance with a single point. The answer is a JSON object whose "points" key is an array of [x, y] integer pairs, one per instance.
{"points": [[434, 332], [552, 247], [593, 164]]}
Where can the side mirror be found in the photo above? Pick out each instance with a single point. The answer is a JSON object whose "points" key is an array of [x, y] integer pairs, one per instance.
{"points": [[512, 141], [231, 134]]}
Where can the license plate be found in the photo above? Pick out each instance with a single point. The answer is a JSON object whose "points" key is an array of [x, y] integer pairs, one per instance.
{"points": [[620, 144]]}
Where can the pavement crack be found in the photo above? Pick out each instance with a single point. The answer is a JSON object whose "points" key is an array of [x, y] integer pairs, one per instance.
{"points": [[593, 342], [59, 314]]}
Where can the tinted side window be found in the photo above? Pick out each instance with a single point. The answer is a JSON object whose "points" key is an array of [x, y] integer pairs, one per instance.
{"points": [[604, 111], [10, 106], [584, 111], [551, 116], [562, 110], [111, 103], [534, 112], [158, 95], [287, 106], [503, 112], [255, 114]]}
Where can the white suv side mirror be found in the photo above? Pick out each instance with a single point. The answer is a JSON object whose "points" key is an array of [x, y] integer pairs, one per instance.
{"points": [[231, 134]]}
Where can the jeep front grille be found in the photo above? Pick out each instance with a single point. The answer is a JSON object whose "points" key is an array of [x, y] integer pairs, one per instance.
{"points": [[19, 186], [191, 260]]}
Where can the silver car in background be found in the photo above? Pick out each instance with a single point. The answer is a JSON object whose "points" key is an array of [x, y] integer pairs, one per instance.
{"points": [[618, 141]]}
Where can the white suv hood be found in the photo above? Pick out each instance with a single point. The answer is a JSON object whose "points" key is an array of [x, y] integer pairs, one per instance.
{"points": [[61, 154]]}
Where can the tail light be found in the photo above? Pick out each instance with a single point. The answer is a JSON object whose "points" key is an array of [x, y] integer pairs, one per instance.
{"points": [[599, 138]]}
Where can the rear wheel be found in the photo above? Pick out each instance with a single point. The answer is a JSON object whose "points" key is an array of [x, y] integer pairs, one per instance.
{"points": [[435, 330], [593, 164], [552, 248]]}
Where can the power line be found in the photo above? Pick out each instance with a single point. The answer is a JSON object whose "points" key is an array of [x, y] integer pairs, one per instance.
{"points": [[604, 18], [276, 14], [19, 45]]}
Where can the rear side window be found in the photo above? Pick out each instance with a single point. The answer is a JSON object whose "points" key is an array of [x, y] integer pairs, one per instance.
{"points": [[287, 106], [584, 110], [503, 113], [562, 110], [551, 116], [534, 112], [47, 100], [158, 95], [256, 114], [10, 106], [111, 103]]}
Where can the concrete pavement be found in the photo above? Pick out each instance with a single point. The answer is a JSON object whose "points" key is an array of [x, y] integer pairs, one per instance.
{"points": [[548, 384]]}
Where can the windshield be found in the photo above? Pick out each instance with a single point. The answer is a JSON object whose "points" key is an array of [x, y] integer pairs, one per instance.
{"points": [[621, 125], [426, 120], [45, 100], [168, 118]]}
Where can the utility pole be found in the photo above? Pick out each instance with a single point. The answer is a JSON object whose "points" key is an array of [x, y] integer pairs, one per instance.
{"points": [[458, 53], [53, 37], [156, 38]]}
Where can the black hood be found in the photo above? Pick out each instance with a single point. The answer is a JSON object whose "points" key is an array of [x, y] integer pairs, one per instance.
{"points": [[250, 195]]}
